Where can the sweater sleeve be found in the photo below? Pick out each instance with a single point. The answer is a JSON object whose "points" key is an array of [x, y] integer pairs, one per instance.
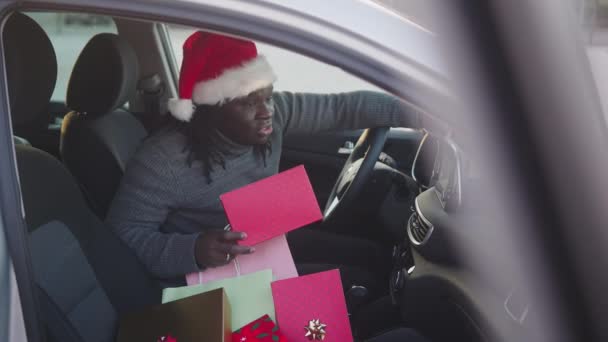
{"points": [[148, 191], [311, 113]]}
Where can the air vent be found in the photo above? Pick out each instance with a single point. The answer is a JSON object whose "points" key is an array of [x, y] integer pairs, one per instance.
{"points": [[418, 229]]}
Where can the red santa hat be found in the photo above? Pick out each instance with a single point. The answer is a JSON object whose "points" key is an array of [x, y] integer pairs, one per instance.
{"points": [[216, 69]]}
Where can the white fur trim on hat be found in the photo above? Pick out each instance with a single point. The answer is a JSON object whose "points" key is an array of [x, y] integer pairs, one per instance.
{"points": [[235, 82], [181, 109]]}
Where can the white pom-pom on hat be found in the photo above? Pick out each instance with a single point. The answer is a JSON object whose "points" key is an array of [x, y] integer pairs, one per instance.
{"points": [[181, 109]]}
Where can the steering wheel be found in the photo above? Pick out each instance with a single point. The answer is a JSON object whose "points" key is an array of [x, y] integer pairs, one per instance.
{"points": [[356, 172]]}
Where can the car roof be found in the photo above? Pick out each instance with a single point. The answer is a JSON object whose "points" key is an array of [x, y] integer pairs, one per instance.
{"points": [[368, 19]]}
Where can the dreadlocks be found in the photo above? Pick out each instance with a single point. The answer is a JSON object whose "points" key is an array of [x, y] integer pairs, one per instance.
{"points": [[202, 141]]}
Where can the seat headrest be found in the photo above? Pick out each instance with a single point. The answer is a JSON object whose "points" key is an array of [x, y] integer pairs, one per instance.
{"points": [[31, 70], [104, 76]]}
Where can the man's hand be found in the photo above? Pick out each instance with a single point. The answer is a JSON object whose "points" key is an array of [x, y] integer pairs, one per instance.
{"points": [[217, 247]]}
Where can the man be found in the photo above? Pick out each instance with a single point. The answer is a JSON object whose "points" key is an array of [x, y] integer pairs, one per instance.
{"points": [[228, 133]]}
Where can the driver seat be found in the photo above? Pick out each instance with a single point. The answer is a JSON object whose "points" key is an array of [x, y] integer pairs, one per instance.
{"points": [[98, 137]]}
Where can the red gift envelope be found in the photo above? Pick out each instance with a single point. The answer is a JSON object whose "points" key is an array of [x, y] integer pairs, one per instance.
{"points": [[312, 308], [272, 206]]}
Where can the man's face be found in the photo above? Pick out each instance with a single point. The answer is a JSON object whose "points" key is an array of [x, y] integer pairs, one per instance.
{"points": [[248, 120]]}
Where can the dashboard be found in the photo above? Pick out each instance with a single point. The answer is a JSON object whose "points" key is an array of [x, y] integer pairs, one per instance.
{"points": [[438, 164], [439, 290], [437, 169]]}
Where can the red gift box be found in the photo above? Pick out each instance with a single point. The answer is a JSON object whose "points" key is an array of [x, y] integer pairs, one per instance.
{"points": [[262, 329], [272, 206], [312, 308]]}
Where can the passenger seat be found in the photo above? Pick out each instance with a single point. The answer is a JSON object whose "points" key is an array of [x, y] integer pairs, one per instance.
{"points": [[98, 137]]}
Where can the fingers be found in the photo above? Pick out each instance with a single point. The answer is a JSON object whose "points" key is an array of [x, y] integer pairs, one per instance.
{"points": [[234, 249], [223, 253], [233, 236], [218, 248], [218, 258]]}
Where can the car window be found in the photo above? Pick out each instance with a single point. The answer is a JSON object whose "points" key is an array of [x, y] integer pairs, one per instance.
{"points": [[69, 32], [593, 19], [296, 73]]}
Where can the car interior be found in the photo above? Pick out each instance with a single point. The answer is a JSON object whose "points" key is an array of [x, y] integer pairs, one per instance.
{"points": [[71, 157]]}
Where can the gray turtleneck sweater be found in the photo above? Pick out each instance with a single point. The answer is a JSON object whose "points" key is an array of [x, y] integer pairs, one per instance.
{"points": [[163, 203]]}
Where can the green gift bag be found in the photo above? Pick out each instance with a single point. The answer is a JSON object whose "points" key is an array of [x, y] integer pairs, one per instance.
{"points": [[250, 296]]}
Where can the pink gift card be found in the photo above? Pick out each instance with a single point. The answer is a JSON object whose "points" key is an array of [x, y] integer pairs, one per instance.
{"points": [[273, 254], [312, 306], [272, 206]]}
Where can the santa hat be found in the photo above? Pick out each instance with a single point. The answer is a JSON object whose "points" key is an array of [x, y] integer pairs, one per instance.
{"points": [[216, 69]]}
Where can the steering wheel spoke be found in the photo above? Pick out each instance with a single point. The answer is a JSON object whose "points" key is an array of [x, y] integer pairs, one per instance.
{"points": [[356, 172], [334, 203]]}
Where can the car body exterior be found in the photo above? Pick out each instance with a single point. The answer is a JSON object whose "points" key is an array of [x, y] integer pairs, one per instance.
{"points": [[391, 51]]}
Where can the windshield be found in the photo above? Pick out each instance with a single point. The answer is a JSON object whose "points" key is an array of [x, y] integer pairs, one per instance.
{"points": [[593, 22]]}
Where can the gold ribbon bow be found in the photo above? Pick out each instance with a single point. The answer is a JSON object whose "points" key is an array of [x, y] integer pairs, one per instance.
{"points": [[315, 330]]}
